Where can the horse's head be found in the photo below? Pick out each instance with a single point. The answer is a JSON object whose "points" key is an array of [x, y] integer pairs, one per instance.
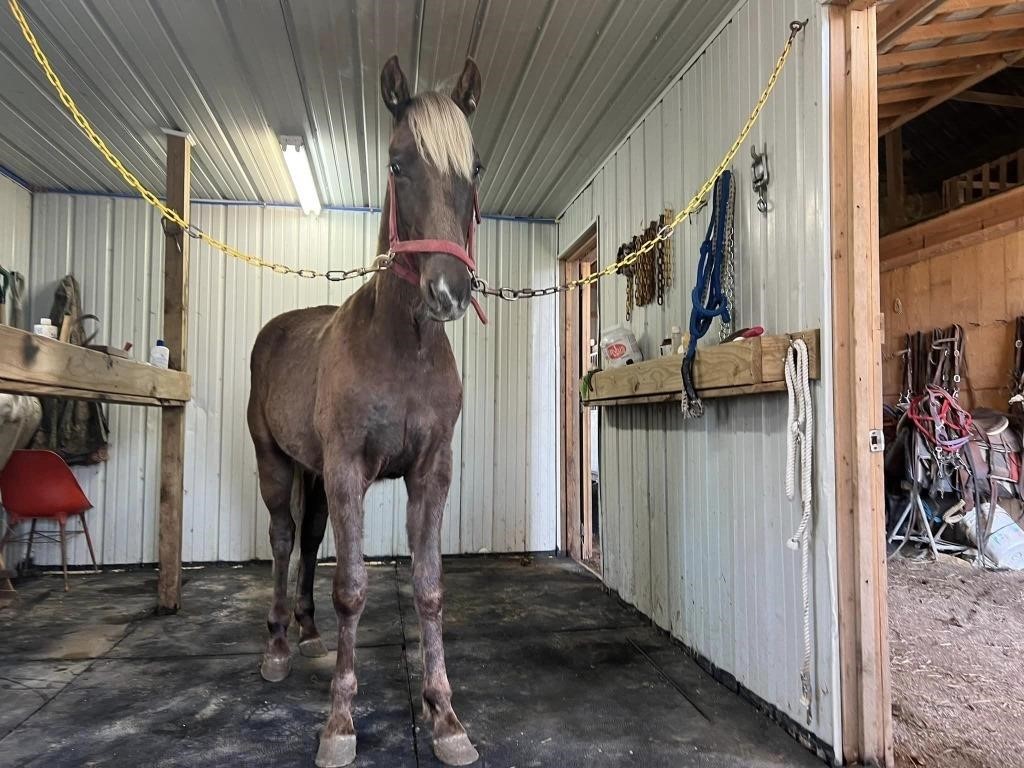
{"points": [[434, 169]]}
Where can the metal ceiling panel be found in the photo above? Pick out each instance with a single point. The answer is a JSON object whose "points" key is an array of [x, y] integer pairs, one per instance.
{"points": [[564, 81]]}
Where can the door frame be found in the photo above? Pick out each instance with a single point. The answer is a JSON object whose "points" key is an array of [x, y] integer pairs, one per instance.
{"points": [[573, 262], [865, 693]]}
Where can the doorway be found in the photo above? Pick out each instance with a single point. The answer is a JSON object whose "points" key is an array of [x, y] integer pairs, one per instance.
{"points": [[581, 523]]}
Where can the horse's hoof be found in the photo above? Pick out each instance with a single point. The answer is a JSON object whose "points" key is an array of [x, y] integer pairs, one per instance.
{"points": [[274, 669], [313, 648], [336, 751], [455, 750]]}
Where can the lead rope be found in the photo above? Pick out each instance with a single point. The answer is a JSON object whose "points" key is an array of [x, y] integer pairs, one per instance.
{"points": [[800, 448]]}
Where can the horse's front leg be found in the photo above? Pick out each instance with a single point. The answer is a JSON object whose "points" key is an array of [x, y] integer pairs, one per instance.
{"points": [[345, 489], [428, 489]]}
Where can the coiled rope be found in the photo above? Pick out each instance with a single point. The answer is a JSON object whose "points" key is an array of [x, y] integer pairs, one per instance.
{"points": [[800, 457]]}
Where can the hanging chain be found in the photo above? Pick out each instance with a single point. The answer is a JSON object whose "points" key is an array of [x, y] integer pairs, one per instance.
{"points": [[383, 261], [665, 232]]}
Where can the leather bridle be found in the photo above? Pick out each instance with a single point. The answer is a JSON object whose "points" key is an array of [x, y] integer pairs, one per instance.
{"points": [[405, 264]]}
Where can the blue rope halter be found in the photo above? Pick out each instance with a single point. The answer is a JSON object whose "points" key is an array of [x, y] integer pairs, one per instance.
{"points": [[708, 298]]}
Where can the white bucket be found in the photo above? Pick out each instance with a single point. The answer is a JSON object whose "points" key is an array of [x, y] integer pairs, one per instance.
{"points": [[1005, 546], [619, 347]]}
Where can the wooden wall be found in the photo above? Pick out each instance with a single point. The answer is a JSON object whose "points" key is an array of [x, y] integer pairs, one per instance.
{"points": [[968, 269]]}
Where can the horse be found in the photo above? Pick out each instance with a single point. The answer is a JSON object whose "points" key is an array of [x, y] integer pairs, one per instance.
{"points": [[342, 397]]}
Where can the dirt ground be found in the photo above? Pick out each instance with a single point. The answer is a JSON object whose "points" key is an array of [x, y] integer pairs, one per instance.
{"points": [[957, 643]]}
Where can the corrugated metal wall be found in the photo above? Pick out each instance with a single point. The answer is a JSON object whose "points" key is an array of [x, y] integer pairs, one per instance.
{"points": [[15, 226], [694, 513], [504, 490]]}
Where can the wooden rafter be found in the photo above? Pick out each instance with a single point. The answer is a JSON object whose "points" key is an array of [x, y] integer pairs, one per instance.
{"points": [[982, 25], [954, 69], [993, 99], [908, 93], [955, 88], [901, 15], [941, 53]]}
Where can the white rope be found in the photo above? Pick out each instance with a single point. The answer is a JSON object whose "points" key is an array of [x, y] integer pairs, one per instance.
{"points": [[800, 449]]}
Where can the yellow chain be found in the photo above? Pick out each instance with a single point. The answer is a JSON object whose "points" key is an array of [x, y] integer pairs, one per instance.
{"points": [[697, 201], [170, 214]]}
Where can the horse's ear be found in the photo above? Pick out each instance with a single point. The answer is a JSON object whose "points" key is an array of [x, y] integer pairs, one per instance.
{"points": [[393, 87], [466, 92]]}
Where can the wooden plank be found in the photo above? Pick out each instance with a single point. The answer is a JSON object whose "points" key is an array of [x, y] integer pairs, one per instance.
{"points": [[718, 366], [951, 71], [172, 422], [570, 415], [735, 368], [974, 222], [987, 68], [31, 364], [907, 93], [894, 177], [952, 52], [900, 15], [706, 394], [940, 30], [856, 345], [586, 497], [992, 99]]}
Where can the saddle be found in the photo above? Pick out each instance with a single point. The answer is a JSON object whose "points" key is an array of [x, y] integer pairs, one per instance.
{"points": [[993, 457]]}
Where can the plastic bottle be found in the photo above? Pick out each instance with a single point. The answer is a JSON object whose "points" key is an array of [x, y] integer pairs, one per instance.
{"points": [[677, 337], [159, 355], [45, 327]]}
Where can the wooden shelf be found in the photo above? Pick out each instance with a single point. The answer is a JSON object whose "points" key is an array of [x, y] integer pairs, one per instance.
{"points": [[35, 365], [748, 367]]}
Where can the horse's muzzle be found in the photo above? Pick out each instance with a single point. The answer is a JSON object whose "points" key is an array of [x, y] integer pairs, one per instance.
{"points": [[446, 293]]}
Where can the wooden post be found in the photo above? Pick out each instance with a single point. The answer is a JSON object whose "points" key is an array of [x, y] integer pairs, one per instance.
{"points": [[571, 460], [856, 349], [172, 422], [894, 188]]}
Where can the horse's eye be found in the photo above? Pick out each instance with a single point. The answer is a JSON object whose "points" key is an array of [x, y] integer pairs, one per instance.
{"points": [[396, 168], [477, 170]]}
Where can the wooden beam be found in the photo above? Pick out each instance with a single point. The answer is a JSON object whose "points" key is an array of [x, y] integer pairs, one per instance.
{"points": [[570, 444], [857, 390], [175, 333], [951, 6], [901, 15], [894, 177], [966, 225], [992, 99], [952, 52], [35, 365], [983, 25], [955, 69], [989, 68], [725, 367], [897, 109], [909, 93]]}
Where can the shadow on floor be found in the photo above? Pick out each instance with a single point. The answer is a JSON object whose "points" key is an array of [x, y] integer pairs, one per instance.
{"points": [[547, 670]]}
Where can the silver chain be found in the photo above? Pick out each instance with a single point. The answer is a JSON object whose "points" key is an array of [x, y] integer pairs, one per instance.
{"points": [[729, 263]]}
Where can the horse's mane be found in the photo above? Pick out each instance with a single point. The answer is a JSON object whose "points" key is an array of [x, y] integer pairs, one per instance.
{"points": [[442, 133]]}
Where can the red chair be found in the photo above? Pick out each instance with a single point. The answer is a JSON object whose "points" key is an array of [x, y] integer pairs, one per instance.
{"points": [[38, 484]]}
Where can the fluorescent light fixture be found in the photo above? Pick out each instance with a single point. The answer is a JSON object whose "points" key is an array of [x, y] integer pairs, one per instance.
{"points": [[302, 175]]}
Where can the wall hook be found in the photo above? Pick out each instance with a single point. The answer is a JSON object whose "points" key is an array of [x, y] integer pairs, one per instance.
{"points": [[760, 177]]}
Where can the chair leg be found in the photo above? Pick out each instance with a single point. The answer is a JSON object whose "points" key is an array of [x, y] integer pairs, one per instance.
{"points": [[88, 540], [28, 549], [64, 552]]}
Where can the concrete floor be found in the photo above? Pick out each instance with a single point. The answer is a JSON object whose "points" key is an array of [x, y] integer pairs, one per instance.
{"points": [[547, 670]]}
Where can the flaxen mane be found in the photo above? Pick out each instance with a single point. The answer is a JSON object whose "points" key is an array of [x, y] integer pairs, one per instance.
{"points": [[442, 133]]}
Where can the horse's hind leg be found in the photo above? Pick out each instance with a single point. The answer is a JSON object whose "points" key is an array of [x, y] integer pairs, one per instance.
{"points": [[276, 474], [428, 489], [311, 534]]}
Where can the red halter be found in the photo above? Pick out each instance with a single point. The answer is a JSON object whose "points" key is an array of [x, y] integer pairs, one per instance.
{"points": [[407, 268]]}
